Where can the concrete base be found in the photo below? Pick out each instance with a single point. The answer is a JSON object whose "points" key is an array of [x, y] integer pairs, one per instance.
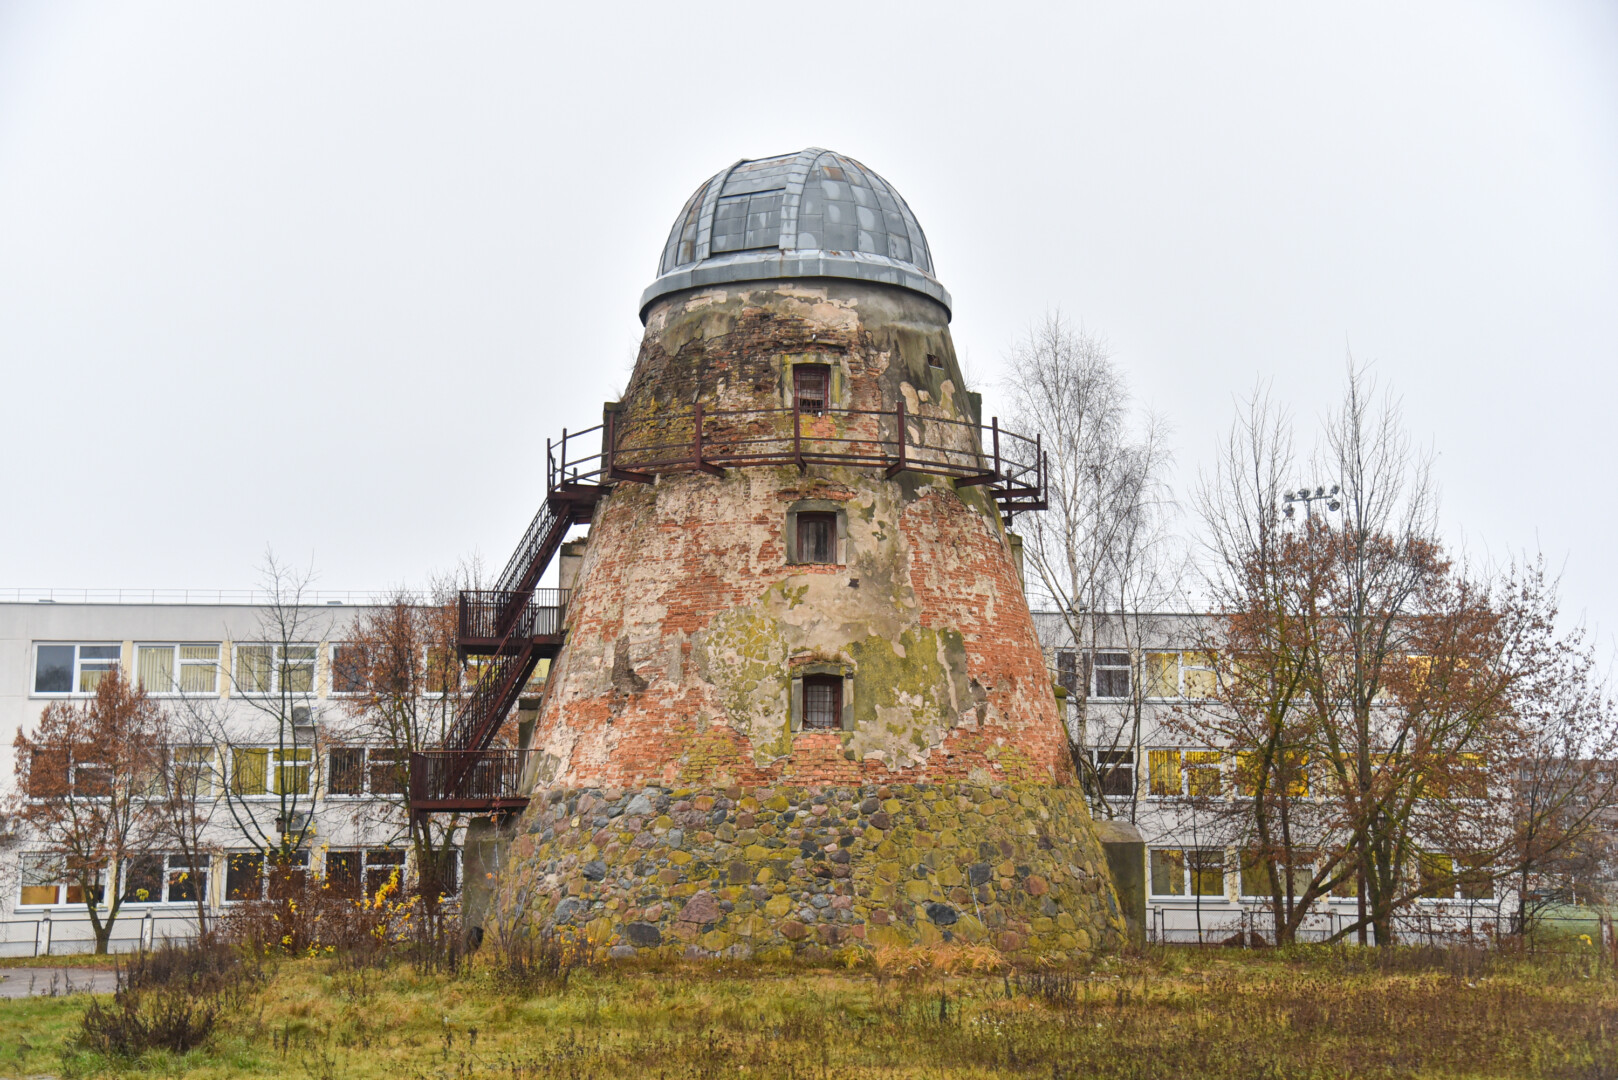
{"points": [[1126, 858]]}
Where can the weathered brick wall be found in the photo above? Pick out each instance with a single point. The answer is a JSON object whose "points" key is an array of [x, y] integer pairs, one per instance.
{"points": [[688, 619], [778, 871]]}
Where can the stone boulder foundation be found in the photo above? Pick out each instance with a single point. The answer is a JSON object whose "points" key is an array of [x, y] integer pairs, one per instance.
{"points": [[778, 872]]}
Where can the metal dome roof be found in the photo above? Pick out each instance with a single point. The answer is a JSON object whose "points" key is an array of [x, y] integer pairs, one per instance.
{"points": [[811, 214]]}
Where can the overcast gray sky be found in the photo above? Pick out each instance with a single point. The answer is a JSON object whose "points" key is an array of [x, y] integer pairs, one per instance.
{"points": [[324, 276]]}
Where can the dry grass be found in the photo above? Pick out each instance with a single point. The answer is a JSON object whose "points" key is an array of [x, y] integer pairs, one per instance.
{"points": [[1171, 1013]]}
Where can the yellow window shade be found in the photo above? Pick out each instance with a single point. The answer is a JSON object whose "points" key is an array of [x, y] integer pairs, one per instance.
{"points": [[1202, 773], [249, 771], [1162, 675], [1165, 771]]}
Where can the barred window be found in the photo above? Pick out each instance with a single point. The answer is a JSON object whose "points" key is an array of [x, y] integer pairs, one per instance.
{"points": [[822, 702], [811, 386]]}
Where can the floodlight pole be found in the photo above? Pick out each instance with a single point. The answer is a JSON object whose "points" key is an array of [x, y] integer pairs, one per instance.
{"points": [[1331, 498]]}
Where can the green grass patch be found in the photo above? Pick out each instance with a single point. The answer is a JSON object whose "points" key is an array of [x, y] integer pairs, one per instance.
{"points": [[1302, 1012]]}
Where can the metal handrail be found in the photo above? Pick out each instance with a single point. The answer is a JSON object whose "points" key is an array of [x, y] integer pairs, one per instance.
{"points": [[1012, 465], [486, 613], [496, 686], [493, 775]]}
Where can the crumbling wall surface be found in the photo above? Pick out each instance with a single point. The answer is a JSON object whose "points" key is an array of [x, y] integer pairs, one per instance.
{"points": [[689, 625], [782, 870], [690, 619]]}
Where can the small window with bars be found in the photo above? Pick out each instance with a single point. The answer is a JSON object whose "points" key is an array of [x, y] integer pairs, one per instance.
{"points": [[822, 702], [811, 388]]}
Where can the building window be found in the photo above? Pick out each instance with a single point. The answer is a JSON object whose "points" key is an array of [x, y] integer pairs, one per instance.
{"points": [[1193, 773], [1207, 866], [1187, 872], [821, 698], [1289, 771], [386, 771], [293, 765], [348, 669], [178, 669], [275, 669], [269, 770], [816, 532], [44, 881], [933, 361], [1163, 772], [72, 669], [244, 876], [383, 866], [822, 702], [90, 780], [1198, 677], [811, 388], [1168, 872], [1161, 671], [1112, 671], [352, 874], [344, 873], [345, 771], [187, 881], [1071, 672], [817, 538], [1439, 881], [1255, 876], [358, 770], [1116, 769], [143, 880], [193, 770]]}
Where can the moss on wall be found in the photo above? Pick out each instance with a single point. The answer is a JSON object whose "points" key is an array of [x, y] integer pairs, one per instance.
{"points": [[782, 870]]}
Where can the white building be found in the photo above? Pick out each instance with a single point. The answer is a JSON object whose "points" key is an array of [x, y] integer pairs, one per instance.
{"points": [[228, 663], [1134, 684]]}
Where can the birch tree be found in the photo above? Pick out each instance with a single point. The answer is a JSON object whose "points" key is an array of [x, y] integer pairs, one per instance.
{"points": [[1101, 554]]}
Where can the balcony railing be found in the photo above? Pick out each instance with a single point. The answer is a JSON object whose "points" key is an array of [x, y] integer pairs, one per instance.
{"points": [[489, 614], [469, 780], [635, 447]]}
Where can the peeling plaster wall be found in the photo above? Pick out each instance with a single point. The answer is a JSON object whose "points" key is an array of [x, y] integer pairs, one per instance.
{"points": [[688, 619]]}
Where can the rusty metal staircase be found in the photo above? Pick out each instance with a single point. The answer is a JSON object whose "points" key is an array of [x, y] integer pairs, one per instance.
{"points": [[516, 626]]}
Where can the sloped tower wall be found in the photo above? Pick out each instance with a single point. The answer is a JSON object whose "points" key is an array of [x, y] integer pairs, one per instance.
{"points": [[679, 800]]}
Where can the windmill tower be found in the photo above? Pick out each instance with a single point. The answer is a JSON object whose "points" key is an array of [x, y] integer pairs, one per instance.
{"points": [[800, 700]]}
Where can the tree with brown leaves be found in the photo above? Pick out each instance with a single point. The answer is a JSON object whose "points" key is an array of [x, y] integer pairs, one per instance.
{"points": [[84, 780], [403, 680], [1380, 704]]}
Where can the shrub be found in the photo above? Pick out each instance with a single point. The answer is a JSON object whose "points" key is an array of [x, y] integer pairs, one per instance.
{"points": [[170, 998], [524, 965]]}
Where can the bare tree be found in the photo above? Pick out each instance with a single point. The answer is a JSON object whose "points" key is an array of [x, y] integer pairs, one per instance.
{"points": [[185, 802], [84, 777], [1102, 554], [1563, 767], [400, 668], [263, 768]]}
